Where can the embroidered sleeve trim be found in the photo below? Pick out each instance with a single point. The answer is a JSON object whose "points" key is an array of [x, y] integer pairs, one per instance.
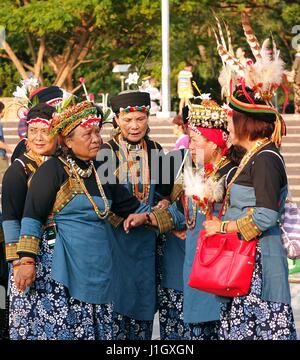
{"points": [[28, 244], [176, 192], [11, 251], [247, 228], [164, 220]]}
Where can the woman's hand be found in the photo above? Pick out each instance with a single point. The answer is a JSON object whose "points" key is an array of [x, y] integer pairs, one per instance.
{"points": [[181, 234], [15, 267], [134, 220], [213, 226], [162, 204], [25, 274]]}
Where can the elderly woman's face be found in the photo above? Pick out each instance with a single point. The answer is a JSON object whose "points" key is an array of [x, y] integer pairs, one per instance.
{"points": [[133, 125], [202, 150], [85, 142], [39, 141]]}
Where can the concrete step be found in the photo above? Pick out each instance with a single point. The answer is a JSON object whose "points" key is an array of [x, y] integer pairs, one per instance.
{"points": [[290, 154], [292, 130], [292, 138], [293, 170], [292, 145], [296, 199], [294, 179]]}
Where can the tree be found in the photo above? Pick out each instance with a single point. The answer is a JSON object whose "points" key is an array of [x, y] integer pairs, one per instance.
{"points": [[60, 40], [57, 33]]}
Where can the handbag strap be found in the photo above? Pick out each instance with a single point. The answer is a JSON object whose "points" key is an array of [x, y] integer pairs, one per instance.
{"points": [[245, 160], [207, 263], [275, 153]]}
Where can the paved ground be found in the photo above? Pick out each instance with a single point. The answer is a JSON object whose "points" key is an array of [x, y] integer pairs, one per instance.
{"points": [[295, 291]]}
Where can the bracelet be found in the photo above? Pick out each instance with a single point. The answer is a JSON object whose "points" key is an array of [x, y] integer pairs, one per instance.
{"points": [[223, 228], [148, 219], [16, 263]]}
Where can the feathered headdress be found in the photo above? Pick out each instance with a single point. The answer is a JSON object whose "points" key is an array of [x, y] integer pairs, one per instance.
{"points": [[250, 87]]}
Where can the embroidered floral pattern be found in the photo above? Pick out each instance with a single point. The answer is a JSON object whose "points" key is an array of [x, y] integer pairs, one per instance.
{"points": [[126, 328], [171, 322], [47, 311], [251, 318]]}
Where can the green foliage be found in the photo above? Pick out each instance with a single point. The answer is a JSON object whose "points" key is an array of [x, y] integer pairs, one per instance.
{"points": [[130, 32], [291, 14], [9, 78]]}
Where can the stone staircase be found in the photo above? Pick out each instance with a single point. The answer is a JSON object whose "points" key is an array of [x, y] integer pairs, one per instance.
{"points": [[161, 131], [291, 153]]}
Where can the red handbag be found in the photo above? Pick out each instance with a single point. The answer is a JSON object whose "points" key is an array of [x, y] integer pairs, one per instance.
{"points": [[223, 264]]}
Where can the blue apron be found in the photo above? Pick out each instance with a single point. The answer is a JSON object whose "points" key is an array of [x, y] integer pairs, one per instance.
{"points": [[173, 253], [134, 269], [198, 306], [82, 259]]}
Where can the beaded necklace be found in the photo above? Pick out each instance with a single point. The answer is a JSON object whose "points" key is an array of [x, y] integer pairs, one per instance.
{"points": [[81, 172], [38, 159], [101, 215], [137, 165], [191, 222]]}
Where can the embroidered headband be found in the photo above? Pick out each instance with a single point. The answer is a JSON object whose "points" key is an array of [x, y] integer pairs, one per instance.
{"points": [[83, 114], [143, 109], [39, 120]]}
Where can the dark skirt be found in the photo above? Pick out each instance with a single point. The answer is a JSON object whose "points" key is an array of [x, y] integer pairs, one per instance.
{"points": [[171, 322], [203, 331], [47, 312], [251, 318], [126, 328]]}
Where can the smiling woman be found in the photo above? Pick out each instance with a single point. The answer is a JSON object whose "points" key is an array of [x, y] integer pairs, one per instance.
{"points": [[39, 146]]}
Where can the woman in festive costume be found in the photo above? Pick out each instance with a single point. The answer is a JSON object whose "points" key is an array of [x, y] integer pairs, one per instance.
{"points": [[255, 201], [200, 319], [69, 285], [30, 152], [134, 253], [51, 95]]}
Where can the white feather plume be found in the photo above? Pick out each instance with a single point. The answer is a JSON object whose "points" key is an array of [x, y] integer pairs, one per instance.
{"points": [[265, 71], [196, 185], [224, 78], [265, 49], [193, 182], [215, 189]]}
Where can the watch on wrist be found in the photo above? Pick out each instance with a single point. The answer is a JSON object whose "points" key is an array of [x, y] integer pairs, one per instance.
{"points": [[223, 228]]}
